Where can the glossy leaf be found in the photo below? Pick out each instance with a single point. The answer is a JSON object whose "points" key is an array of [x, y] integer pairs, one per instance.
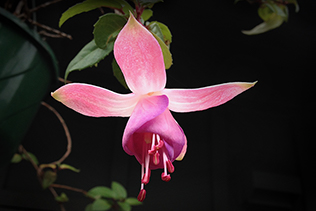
{"points": [[48, 178], [16, 158], [155, 29], [101, 191], [87, 6], [166, 34], [118, 73], [66, 166], [88, 56], [147, 14], [107, 28], [62, 198], [119, 191], [133, 201], [124, 206], [167, 57], [100, 205]]}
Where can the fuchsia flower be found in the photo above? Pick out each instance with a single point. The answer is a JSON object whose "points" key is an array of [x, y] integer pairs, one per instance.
{"points": [[151, 134]]}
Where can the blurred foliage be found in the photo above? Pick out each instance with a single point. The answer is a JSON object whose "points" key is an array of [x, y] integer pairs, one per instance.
{"points": [[272, 12]]}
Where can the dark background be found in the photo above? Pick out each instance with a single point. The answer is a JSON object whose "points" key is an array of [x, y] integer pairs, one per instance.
{"points": [[252, 153]]}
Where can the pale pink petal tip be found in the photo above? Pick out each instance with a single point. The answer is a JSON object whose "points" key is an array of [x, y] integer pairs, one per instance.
{"points": [[95, 101], [184, 150]]}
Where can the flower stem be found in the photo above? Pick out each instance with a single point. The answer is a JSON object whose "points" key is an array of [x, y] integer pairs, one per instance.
{"points": [[69, 142], [69, 188]]}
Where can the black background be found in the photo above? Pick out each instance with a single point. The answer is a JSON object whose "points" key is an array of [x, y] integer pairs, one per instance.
{"points": [[252, 153]]}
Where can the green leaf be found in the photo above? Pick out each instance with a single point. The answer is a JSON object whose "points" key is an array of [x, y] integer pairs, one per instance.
{"points": [[100, 205], [124, 206], [126, 7], [62, 198], [164, 30], [101, 191], [278, 9], [165, 51], [48, 178], [274, 22], [16, 158], [118, 73], [87, 6], [66, 166], [264, 12], [133, 201], [107, 28], [147, 14], [155, 29], [119, 191], [32, 156], [89, 55]]}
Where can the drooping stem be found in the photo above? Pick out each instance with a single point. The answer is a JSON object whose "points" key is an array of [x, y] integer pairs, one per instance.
{"points": [[69, 142], [52, 190], [69, 188], [44, 5], [29, 158], [59, 33]]}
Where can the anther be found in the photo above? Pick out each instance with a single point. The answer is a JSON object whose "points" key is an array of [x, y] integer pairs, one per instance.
{"points": [[142, 195], [156, 158], [151, 151], [146, 177], [170, 166], [165, 177]]}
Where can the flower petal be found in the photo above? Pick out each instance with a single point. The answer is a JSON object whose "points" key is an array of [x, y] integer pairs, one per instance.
{"points": [[139, 56], [183, 151], [95, 101], [146, 109], [169, 130], [148, 119], [186, 100]]}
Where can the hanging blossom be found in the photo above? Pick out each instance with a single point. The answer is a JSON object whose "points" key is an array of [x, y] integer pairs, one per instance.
{"points": [[152, 135]]}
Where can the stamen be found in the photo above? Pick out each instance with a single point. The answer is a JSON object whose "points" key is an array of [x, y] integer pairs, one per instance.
{"points": [[146, 177], [170, 166], [165, 162], [153, 141], [142, 195], [165, 177], [142, 171], [159, 145], [151, 151]]}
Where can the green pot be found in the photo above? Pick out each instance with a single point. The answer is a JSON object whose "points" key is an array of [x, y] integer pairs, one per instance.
{"points": [[28, 68]]}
